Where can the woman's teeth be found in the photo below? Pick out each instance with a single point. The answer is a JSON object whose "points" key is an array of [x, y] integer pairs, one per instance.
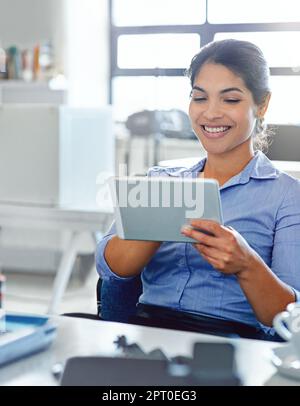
{"points": [[215, 129]]}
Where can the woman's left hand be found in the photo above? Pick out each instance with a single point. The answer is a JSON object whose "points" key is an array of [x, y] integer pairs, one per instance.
{"points": [[226, 250]]}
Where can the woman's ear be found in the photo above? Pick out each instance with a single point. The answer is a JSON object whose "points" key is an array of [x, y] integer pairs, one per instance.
{"points": [[263, 107]]}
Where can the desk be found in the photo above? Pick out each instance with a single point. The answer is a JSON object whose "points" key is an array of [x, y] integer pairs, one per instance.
{"points": [[81, 337], [77, 221], [290, 167]]}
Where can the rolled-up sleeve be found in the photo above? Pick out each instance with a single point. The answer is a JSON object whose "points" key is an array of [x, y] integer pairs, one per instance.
{"points": [[286, 248], [102, 266]]}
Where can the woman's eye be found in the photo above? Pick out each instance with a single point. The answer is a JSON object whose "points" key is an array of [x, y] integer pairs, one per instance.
{"points": [[232, 101], [199, 99]]}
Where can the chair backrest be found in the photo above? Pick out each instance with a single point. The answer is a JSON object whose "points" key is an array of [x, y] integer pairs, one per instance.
{"points": [[285, 143], [117, 298]]}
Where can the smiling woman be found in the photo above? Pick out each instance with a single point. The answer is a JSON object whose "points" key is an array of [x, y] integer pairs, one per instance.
{"points": [[246, 271], [230, 88]]}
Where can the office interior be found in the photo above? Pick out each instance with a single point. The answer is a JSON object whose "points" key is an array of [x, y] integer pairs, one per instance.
{"points": [[95, 88]]}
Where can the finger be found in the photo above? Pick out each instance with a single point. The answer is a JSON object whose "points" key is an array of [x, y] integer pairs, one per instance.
{"points": [[213, 262], [210, 226], [213, 227], [201, 237], [227, 230], [230, 228], [213, 253]]}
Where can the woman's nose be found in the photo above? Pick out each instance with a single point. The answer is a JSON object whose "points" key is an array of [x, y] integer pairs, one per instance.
{"points": [[212, 111]]}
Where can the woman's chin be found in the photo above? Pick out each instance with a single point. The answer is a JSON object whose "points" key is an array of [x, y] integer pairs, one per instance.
{"points": [[220, 147], [214, 149]]}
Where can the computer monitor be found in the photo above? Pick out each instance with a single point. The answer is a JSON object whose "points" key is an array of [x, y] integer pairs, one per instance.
{"points": [[285, 144]]}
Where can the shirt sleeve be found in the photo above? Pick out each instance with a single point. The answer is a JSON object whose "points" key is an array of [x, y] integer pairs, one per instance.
{"points": [[286, 248], [102, 266]]}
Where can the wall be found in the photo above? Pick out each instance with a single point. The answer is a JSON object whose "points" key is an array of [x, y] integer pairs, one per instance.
{"points": [[78, 30], [25, 22]]}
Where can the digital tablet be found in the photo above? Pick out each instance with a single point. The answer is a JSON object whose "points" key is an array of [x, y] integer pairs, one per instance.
{"points": [[156, 208]]}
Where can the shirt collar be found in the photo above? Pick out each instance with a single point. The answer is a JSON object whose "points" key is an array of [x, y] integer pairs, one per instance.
{"points": [[260, 167]]}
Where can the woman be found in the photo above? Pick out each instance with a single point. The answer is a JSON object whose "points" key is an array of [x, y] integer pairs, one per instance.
{"points": [[249, 269]]}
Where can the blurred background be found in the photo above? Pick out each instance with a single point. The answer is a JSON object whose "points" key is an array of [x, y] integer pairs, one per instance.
{"points": [[96, 87]]}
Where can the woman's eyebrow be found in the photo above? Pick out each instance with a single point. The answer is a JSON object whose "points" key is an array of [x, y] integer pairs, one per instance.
{"points": [[231, 89], [228, 89], [199, 88]]}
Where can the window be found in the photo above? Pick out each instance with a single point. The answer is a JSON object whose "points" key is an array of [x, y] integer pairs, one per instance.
{"points": [[254, 11], [153, 41], [157, 50], [278, 47], [158, 12], [132, 94], [284, 103]]}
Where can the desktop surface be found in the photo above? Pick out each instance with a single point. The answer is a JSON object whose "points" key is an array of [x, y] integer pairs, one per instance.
{"points": [[80, 337]]}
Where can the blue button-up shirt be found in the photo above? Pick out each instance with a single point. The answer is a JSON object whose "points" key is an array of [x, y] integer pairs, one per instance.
{"points": [[263, 205]]}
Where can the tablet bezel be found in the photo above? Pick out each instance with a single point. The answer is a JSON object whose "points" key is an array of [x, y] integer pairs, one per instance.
{"points": [[208, 185]]}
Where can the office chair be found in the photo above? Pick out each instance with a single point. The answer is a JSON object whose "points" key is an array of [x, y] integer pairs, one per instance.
{"points": [[285, 143], [117, 299]]}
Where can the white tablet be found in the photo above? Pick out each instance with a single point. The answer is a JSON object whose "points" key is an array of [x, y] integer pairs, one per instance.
{"points": [[156, 208]]}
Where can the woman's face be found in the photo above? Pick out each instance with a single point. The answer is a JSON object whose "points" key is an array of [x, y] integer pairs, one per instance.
{"points": [[222, 110]]}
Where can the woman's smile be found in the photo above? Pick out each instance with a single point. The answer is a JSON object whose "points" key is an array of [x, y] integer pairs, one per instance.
{"points": [[215, 132]]}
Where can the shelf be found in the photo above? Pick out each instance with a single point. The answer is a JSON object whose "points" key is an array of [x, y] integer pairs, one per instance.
{"points": [[18, 91]]}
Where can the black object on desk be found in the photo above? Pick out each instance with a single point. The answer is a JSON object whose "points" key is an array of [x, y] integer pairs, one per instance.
{"points": [[211, 364]]}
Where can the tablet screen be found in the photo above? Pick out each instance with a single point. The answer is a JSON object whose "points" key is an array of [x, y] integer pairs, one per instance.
{"points": [[156, 208]]}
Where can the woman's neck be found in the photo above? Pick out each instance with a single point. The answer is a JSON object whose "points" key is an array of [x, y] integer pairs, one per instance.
{"points": [[222, 167]]}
